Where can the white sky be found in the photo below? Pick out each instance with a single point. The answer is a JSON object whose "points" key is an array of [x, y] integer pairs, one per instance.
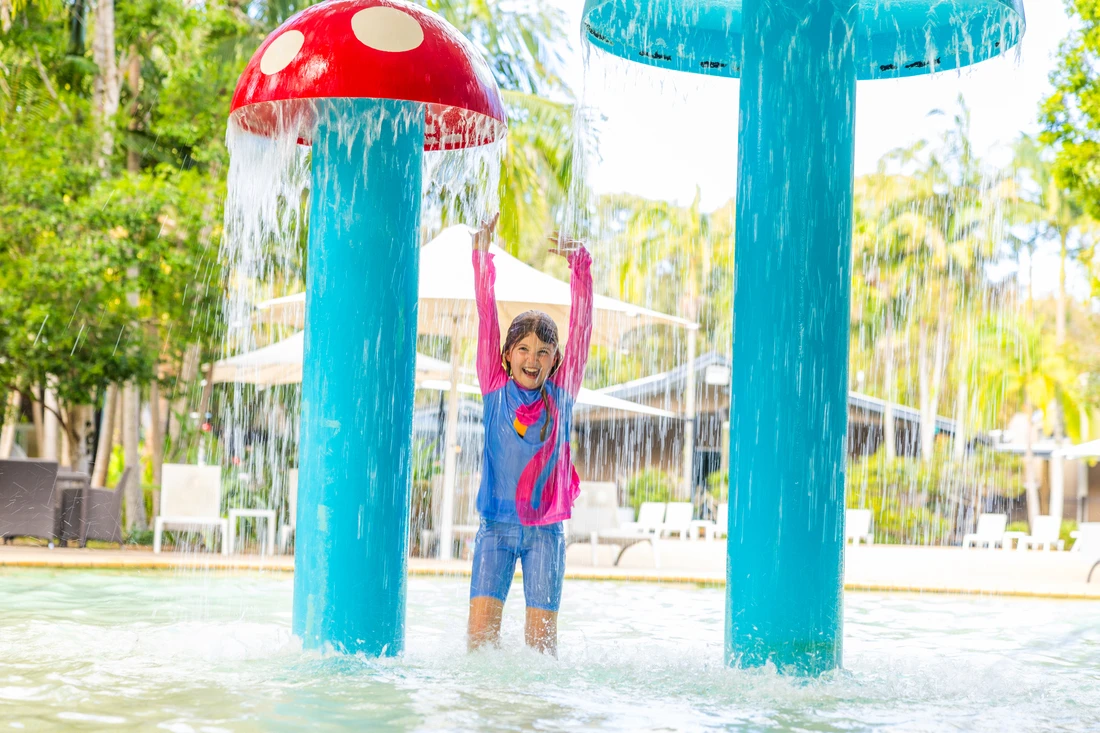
{"points": [[663, 133]]}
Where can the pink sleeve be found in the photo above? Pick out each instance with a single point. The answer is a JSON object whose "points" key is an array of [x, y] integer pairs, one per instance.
{"points": [[490, 372], [571, 374]]}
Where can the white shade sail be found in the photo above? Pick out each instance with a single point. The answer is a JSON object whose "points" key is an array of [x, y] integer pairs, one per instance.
{"points": [[281, 363], [1082, 450], [447, 296]]}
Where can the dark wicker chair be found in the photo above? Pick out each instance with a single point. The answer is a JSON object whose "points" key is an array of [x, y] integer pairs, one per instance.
{"points": [[93, 514], [29, 502]]}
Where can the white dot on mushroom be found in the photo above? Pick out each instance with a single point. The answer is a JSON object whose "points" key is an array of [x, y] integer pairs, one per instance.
{"points": [[280, 52], [387, 29]]}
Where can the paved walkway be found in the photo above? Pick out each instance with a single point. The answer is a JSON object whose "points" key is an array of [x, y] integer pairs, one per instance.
{"points": [[879, 568]]}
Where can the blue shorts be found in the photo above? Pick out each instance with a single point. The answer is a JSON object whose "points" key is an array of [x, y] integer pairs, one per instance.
{"points": [[541, 552]]}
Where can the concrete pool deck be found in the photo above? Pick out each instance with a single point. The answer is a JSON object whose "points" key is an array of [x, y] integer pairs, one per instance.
{"points": [[875, 568]]}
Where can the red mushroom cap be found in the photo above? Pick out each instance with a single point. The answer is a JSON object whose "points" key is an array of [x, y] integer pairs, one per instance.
{"points": [[375, 49]]}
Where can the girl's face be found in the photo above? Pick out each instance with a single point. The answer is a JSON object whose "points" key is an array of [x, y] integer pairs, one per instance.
{"points": [[531, 361]]}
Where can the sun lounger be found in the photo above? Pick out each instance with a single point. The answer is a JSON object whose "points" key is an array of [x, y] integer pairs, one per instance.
{"points": [[1087, 542], [677, 519], [989, 532], [29, 503], [596, 520], [1044, 535], [857, 526]]}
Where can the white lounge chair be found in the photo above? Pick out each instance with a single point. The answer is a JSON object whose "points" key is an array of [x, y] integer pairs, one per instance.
{"points": [[596, 509], [1044, 535], [596, 519], [677, 519], [1087, 542], [190, 498], [857, 526], [651, 517], [989, 533], [286, 531]]}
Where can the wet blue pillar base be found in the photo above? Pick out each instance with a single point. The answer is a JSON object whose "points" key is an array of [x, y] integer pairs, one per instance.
{"points": [[358, 377], [788, 414]]}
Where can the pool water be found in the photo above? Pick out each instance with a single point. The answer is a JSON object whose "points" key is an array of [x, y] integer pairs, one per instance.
{"points": [[203, 651]]}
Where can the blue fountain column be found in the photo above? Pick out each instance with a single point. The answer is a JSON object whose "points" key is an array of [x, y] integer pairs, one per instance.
{"points": [[358, 376], [788, 417]]}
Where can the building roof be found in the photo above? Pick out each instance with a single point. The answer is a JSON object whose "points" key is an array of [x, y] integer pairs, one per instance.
{"points": [[638, 390]]}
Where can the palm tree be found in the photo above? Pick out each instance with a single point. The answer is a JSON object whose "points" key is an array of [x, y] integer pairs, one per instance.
{"points": [[1053, 211], [950, 221], [1026, 368]]}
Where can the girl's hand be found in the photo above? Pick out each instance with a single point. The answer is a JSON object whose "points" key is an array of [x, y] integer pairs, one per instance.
{"points": [[483, 237], [564, 246]]}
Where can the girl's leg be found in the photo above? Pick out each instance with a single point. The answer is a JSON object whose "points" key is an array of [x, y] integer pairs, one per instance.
{"points": [[495, 553], [543, 559], [484, 624], [541, 630]]}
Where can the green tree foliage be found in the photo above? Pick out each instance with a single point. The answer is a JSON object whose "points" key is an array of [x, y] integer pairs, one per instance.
{"points": [[925, 502]]}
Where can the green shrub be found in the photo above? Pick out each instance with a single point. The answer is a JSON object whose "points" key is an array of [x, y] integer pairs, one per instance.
{"points": [[718, 486], [650, 484], [1068, 525], [918, 502]]}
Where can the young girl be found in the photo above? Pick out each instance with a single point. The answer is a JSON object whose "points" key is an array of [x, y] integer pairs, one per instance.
{"points": [[528, 483]]}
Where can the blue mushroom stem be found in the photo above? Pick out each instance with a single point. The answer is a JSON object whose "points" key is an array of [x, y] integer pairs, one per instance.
{"points": [[358, 376], [788, 417]]}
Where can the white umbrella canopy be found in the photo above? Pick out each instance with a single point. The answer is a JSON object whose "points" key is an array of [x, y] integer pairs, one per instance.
{"points": [[447, 303], [281, 363]]}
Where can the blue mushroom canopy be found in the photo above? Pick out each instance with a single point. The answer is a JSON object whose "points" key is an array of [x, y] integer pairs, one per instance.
{"points": [[894, 38]]}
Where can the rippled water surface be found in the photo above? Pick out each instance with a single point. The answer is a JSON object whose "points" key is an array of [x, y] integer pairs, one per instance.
{"points": [[84, 650]]}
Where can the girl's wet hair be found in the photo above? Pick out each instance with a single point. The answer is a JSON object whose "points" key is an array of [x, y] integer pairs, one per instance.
{"points": [[546, 331]]}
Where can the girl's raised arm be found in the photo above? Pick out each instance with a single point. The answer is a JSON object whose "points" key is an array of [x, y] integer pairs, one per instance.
{"points": [[490, 372], [571, 374]]}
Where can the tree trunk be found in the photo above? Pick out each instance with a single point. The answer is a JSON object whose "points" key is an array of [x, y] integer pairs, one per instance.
{"points": [[1031, 489], [1057, 486], [106, 436], [133, 81], [959, 446], [179, 408], [78, 429], [1060, 323], [889, 429], [105, 90], [931, 378], [207, 391], [36, 418], [76, 27], [690, 415], [155, 441], [49, 422], [66, 442], [5, 15], [11, 419], [135, 504]]}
